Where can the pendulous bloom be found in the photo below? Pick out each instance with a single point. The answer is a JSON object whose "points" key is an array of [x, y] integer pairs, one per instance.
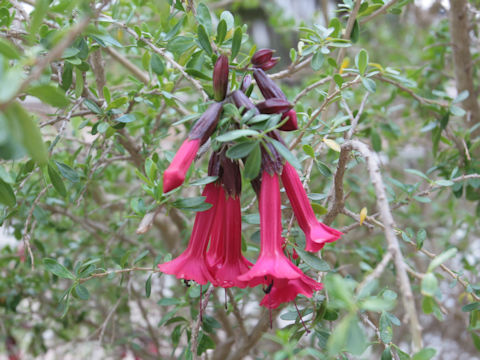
{"points": [[192, 263], [316, 233], [174, 175], [272, 265]]}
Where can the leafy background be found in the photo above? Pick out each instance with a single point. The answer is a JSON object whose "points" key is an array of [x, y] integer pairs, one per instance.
{"points": [[97, 96]]}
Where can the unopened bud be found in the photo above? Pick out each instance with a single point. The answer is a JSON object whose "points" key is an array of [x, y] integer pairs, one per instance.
{"points": [[274, 106], [246, 82], [220, 78], [242, 101], [205, 126], [267, 86], [268, 64], [291, 124], [261, 56]]}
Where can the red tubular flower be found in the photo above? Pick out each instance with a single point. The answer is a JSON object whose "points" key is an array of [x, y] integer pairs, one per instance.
{"points": [[234, 263], [272, 264], [220, 78], [287, 290], [192, 263], [216, 251], [174, 175], [316, 233]]}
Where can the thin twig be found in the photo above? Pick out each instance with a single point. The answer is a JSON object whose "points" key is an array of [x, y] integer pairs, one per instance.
{"points": [[198, 321], [378, 12]]}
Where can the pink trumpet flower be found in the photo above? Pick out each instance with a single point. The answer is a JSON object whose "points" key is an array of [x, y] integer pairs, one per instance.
{"points": [[174, 176], [192, 263], [216, 251], [316, 233], [234, 263], [272, 264]]}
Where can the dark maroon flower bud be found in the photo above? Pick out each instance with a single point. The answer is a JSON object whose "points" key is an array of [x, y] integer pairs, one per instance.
{"points": [[242, 100], [220, 78], [272, 161], [246, 82], [231, 178], [261, 56], [205, 126], [268, 65], [291, 123], [267, 86], [274, 106], [214, 165]]}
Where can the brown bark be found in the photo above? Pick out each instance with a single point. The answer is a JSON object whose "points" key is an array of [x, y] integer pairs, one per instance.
{"points": [[463, 60]]}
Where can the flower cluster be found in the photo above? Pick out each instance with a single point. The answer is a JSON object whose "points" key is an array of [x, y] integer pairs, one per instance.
{"points": [[214, 252]]}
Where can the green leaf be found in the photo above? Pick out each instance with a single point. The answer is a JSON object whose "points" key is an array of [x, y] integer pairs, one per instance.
{"points": [[41, 8], [141, 256], [460, 97], [205, 342], [235, 134], [386, 331], [204, 181], [221, 32], [67, 172], [424, 354], [439, 259], [57, 269], [369, 84], [193, 204], [361, 61], [471, 307], [148, 286], [241, 150], [236, 42], [376, 141], [204, 17], [418, 173], [127, 118], [429, 284], [8, 50], [386, 354], [313, 261], [317, 61], [204, 40], [308, 149], [7, 196], [82, 292], [56, 181], [92, 106], [30, 136], [252, 165], [421, 236], [457, 111], [157, 65], [442, 182], [287, 155], [50, 94], [198, 74], [422, 199]]}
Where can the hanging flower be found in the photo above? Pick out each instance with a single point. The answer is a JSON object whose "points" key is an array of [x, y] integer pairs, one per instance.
{"points": [[192, 263], [316, 233], [272, 264], [284, 291], [174, 175]]}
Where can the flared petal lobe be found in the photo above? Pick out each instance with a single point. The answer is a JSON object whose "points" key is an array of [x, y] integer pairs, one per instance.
{"points": [[174, 176], [192, 263], [272, 264], [316, 233], [286, 291]]}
